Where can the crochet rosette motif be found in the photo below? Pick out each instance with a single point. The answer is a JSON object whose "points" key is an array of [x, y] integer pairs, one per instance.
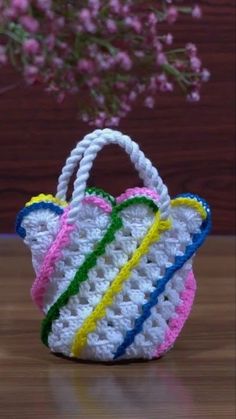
{"points": [[117, 283]]}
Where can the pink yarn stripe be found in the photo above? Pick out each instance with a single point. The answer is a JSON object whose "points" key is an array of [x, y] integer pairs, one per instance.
{"points": [[182, 311], [48, 266], [129, 193], [55, 251], [100, 202]]}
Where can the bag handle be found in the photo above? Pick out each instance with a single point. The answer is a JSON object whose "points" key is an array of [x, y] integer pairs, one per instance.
{"points": [[71, 163], [147, 172]]}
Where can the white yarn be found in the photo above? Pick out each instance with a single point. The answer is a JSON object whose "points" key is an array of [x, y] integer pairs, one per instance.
{"points": [[91, 226], [111, 330], [136, 292], [72, 162], [102, 344], [146, 171], [91, 222], [100, 277], [41, 228]]}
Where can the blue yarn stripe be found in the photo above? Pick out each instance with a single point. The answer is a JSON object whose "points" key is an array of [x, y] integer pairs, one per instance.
{"points": [[198, 239], [27, 210]]}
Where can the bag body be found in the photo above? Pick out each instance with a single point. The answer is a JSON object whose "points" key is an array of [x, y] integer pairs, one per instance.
{"points": [[113, 275]]}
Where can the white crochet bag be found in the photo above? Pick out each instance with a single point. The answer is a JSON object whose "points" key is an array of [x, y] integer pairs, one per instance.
{"points": [[113, 275]]}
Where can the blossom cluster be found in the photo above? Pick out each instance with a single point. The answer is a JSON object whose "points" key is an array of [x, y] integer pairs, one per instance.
{"points": [[107, 52]]}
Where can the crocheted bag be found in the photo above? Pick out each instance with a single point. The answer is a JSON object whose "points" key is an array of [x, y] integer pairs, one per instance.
{"points": [[113, 275]]}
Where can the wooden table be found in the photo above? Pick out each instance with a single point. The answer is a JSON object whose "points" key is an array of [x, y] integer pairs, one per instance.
{"points": [[195, 380]]}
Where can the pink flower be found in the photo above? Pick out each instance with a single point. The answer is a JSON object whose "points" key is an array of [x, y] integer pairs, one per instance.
{"points": [[152, 19], [132, 96], [125, 10], [31, 46], [111, 26], [125, 106], [141, 88], [124, 60], [20, 6], [9, 13], [39, 60], [166, 87], [172, 14], [205, 75], [118, 48], [161, 78], [114, 121], [100, 100], [191, 49], [44, 4], [49, 14], [152, 84], [149, 102], [86, 20], [161, 59], [85, 15], [94, 81], [134, 23], [50, 41], [30, 73], [85, 65], [89, 26], [57, 62], [196, 12], [58, 23], [99, 121], [193, 96], [139, 54], [94, 5], [169, 39], [115, 6], [29, 23], [120, 85], [158, 45], [195, 63], [179, 65]]}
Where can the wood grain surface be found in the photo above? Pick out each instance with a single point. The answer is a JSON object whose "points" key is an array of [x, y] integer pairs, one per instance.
{"points": [[191, 145], [194, 380]]}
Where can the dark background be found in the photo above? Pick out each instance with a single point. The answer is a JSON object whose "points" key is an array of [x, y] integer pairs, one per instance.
{"points": [[193, 146]]}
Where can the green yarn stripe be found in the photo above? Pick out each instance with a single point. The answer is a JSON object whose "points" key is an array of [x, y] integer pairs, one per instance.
{"points": [[91, 260], [100, 192], [136, 200]]}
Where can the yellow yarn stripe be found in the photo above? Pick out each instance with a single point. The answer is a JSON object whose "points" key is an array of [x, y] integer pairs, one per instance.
{"points": [[46, 198], [190, 202], [89, 325]]}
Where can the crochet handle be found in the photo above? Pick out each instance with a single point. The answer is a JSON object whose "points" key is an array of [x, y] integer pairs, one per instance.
{"points": [[72, 162], [147, 172]]}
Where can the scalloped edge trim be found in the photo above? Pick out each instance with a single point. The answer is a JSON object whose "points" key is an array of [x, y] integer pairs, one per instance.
{"points": [[93, 190], [57, 206], [31, 208], [132, 192], [46, 198]]}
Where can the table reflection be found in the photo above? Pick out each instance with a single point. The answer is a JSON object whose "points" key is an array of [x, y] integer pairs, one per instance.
{"points": [[139, 390]]}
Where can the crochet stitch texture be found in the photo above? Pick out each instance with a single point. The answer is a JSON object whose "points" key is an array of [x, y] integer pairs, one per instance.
{"points": [[113, 275]]}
